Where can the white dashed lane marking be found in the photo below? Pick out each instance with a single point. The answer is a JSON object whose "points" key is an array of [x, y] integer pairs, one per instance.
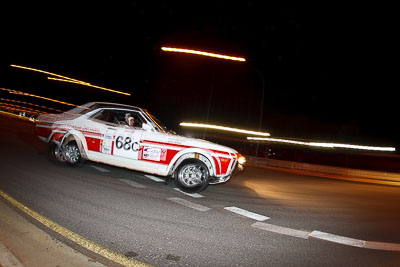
{"points": [[134, 184], [194, 195], [354, 242], [189, 204], [99, 168], [156, 179], [348, 241], [337, 239], [281, 230], [248, 214], [343, 240], [382, 246]]}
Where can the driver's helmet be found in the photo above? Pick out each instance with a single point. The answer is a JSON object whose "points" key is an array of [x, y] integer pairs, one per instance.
{"points": [[129, 119]]}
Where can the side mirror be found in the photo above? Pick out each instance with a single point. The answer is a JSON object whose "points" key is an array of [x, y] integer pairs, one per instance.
{"points": [[146, 127]]}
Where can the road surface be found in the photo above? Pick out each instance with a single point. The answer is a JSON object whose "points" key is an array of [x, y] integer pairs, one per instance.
{"points": [[259, 218]]}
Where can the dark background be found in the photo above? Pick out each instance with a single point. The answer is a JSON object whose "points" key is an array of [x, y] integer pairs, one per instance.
{"points": [[328, 70]]}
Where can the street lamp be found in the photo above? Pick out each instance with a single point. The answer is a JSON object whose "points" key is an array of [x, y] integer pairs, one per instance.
{"points": [[208, 54], [201, 53], [220, 56]]}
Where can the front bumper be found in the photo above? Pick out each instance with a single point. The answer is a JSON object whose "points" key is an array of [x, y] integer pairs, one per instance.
{"points": [[219, 180]]}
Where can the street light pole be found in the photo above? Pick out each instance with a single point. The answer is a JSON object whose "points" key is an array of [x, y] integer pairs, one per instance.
{"points": [[209, 102], [262, 103]]}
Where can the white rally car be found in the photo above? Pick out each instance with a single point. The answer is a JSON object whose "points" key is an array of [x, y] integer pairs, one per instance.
{"points": [[130, 137]]}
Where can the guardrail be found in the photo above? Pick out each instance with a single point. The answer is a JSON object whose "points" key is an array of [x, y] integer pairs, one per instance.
{"points": [[388, 178]]}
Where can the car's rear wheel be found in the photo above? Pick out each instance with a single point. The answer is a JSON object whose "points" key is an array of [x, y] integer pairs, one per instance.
{"points": [[55, 153], [72, 154], [192, 176]]}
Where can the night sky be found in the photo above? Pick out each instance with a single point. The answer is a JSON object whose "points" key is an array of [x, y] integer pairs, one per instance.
{"points": [[328, 71]]}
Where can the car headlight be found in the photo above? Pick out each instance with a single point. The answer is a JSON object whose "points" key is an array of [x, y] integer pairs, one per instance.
{"points": [[241, 159]]}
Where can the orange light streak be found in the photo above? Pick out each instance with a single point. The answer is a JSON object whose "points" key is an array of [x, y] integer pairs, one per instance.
{"points": [[6, 105], [67, 79], [45, 98], [201, 53], [16, 116], [30, 104], [42, 71], [21, 109], [41, 97], [88, 84]]}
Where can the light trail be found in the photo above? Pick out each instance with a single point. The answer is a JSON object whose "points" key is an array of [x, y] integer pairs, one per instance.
{"points": [[16, 116], [43, 71], [68, 81], [36, 96], [18, 107], [88, 84], [222, 128], [323, 144], [62, 78], [27, 103], [201, 53]]}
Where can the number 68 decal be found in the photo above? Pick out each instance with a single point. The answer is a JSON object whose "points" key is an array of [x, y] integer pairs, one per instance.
{"points": [[126, 143]]}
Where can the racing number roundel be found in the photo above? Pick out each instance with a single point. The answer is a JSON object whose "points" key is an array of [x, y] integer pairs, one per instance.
{"points": [[127, 144]]}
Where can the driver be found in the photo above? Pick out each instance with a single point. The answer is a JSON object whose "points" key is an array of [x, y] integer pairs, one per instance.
{"points": [[129, 120]]}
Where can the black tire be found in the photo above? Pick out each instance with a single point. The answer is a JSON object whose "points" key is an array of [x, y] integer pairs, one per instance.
{"points": [[72, 154], [192, 176], [54, 154]]}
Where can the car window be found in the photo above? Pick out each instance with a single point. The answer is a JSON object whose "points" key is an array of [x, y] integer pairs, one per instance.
{"points": [[105, 115], [119, 117], [122, 115], [160, 126]]}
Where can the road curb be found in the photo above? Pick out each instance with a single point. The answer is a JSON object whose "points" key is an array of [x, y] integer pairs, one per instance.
{"points": [[74, 237], [355, 175], [7, 258]]}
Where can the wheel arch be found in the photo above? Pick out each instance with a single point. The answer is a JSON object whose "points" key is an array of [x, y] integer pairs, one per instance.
{"points": [[192, 153], [80, 140]]}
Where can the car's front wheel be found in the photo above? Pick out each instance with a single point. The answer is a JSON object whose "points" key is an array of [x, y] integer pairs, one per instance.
{"points": [[192, 176]]}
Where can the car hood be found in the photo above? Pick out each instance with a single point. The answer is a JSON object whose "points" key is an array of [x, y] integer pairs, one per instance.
{"points": [[189, 142]]}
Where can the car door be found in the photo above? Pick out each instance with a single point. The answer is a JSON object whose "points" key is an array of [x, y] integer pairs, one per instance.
{"points": [[118, 139], [126, 138], [126, 144], [122, 144], [103, 120]]}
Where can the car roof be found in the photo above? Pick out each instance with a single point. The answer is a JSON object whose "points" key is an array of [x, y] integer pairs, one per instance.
{"points": [[93, 105]]}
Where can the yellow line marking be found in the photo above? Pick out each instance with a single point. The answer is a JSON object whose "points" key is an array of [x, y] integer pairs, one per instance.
{"points": [[15, 116], [82, 241]]}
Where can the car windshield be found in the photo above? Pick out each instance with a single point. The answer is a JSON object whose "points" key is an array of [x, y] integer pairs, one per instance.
{"points": [[161, 125]]}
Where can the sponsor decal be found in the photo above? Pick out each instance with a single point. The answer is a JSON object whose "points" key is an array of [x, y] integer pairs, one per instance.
{"points": [[107, 143], [155, 154]]}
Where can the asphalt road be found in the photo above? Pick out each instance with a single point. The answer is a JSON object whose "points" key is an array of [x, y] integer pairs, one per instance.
{"points": [[152, 222]]}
